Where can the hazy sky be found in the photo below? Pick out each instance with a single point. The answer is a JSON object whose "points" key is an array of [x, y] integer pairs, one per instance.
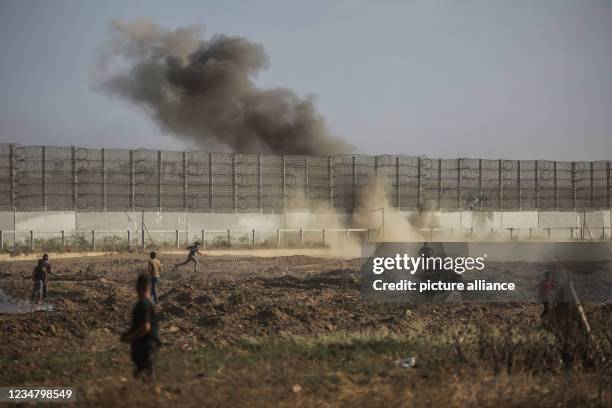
{"points": [[493, 79]]}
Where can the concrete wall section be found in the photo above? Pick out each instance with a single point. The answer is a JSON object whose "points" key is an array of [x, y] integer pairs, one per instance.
{"points": [[108, 221], [45, 221], [7, 220], [162, 226]]}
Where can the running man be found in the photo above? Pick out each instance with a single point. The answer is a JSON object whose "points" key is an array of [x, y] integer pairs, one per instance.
{"points": [[143, 332], [45, 258], [155, 268], [191, 257]]}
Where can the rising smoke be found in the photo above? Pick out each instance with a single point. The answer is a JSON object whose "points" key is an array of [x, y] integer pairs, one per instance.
{"points": [[202, 91]]}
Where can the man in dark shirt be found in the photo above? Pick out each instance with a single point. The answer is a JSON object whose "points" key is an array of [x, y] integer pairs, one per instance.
{"points": [[45, 258], [39, 275], [191, 257], [143, 332]]}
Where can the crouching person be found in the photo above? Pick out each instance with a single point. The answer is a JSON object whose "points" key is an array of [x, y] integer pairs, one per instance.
{"points": [[143, 332]]}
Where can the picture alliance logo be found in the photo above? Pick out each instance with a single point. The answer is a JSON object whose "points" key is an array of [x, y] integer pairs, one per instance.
{"points": [[412, 264]]}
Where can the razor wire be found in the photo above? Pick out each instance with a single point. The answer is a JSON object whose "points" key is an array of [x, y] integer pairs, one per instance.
{"points": [[42, 178]]}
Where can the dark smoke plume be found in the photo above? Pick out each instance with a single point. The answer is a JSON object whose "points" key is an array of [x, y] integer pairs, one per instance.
{"points": [[202, 90]]}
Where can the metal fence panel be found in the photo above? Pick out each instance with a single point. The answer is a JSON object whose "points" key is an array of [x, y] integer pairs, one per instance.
{"points": [[6, 176], [29, 179], [38, 178]]}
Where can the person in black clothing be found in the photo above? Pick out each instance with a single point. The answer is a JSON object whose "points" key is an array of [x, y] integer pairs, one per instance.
{"points": [[45, 258], [39, 275], [143, 332]]}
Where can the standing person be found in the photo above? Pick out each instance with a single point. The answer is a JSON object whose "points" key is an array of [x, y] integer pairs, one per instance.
{"points": [[547, 291], [45, 258], [155, 268], [143, 332], [38, 277], [191, 257], [426, 252]]}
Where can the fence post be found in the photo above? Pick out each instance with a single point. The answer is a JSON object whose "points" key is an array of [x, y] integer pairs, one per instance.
{"points": [[592, 187], [178, 242], [185, 192], [608, 185], [537, 184], [284, 181], [44, 177], [142, 231], [555, 185], [354, 182], [203, 239], [63, 239], [103, 157], [31, 241], [439, 184], [376, 168], [129, 243], [301, 237], [398, 202], [518, 184], [418, 180], [480, 183], [278, 238], [574, 185], [307, 183], [93, 240], [1, 240], [211, 180], [229, 238], [253, 239], [348, 234], [12, 176], [259, 183], [234, 183], [132, 183], [75, 185], [159, 179], [330, 175], [459, 199], [500, 185]]}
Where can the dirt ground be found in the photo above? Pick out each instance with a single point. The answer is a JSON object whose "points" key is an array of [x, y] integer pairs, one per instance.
{"points": [[286, 331]]}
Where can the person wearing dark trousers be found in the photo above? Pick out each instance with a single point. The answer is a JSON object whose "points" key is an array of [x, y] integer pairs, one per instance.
{"points": [[143, 333], [45, 258], [191, 256]]}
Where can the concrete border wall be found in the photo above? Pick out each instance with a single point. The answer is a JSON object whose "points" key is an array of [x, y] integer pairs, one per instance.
{"points": [[523, 224]]}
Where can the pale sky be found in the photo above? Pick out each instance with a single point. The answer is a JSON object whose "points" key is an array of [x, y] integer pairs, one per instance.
{"points": [[516, 79]]}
